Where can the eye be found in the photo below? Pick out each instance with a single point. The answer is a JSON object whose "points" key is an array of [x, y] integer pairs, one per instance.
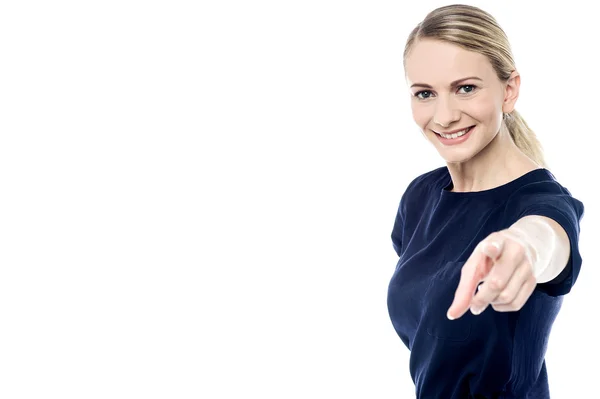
{"points": [[468, 88], [423, 95]]}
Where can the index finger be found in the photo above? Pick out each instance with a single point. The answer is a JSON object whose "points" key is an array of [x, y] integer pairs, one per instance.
{"points": [[472, 273]]}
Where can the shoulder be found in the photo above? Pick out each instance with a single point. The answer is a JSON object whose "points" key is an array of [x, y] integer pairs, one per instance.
{"points": [[543, 188], [423, 189], [542, 194], [433, 179]]}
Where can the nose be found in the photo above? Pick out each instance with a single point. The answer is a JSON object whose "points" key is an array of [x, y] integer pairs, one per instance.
{"points": [[446, 112]]}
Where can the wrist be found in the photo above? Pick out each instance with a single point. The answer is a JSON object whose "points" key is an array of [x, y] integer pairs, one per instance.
{"points": [[539, 240]]}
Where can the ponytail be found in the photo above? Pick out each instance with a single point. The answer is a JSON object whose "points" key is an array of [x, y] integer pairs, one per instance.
{"points": [[524, 137]]}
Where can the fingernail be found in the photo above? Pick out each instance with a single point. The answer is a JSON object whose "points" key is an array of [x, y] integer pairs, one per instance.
{"points": [[448, 316], [475, 310], [495, 244]]}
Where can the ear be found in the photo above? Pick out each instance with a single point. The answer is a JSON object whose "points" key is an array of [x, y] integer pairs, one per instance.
{"points": [[511, 92]]}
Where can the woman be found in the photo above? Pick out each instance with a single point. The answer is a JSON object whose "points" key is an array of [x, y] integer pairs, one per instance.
{"points": [[488, 244]]}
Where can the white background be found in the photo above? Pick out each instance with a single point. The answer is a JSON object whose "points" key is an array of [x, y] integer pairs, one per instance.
{"points": [[196, 199]]}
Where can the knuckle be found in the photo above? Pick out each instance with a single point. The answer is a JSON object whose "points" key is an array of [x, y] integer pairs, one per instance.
{"points": [[504, 297], [495, 284]]}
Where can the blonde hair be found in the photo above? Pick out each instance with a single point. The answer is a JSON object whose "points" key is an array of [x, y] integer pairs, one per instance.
{"points": [[476, 30]]}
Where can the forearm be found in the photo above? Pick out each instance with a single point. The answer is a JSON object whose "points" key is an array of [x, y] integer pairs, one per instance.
{"points": [[547, 243]]}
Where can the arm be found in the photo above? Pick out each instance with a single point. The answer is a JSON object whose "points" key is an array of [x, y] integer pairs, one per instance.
{"points": [[535, 242], [547, 242]]}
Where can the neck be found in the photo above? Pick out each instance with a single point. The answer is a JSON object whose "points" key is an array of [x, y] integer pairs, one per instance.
{"points": [[500, 162]]}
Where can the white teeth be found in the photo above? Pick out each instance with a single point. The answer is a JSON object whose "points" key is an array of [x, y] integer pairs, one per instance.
{"points": [[454, 135]]}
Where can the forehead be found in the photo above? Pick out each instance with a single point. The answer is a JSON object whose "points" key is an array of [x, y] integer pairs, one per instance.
{"points": [[439, 63]]}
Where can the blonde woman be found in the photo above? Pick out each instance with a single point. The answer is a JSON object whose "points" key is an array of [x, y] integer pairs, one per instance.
{"points": [[487, 245]]}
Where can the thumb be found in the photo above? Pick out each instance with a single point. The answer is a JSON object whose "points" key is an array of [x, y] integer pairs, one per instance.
{"points": [[493, 248]]}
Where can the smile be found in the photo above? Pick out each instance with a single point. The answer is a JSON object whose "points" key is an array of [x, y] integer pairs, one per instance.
{"points": [[456, 134]]}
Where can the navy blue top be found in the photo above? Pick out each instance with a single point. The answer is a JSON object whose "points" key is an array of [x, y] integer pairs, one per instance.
{"points": [[495, 354]]}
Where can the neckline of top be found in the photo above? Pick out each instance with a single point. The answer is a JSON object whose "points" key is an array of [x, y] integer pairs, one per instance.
{"points": [[532, 175]]}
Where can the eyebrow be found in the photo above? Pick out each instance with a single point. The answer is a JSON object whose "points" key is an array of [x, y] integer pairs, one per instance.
{"points": [[456, 82]]}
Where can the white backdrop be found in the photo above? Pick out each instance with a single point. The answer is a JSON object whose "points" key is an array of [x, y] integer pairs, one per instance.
{"points": [[197, 198]]}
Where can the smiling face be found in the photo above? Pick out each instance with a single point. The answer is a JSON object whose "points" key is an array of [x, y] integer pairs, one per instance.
{"points": [[453, 89]]}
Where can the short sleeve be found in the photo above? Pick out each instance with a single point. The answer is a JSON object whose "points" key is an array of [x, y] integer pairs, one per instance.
{"points": [[550, 199]]}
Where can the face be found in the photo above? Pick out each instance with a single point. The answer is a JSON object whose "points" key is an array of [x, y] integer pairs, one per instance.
{"points": [[453, 89]]}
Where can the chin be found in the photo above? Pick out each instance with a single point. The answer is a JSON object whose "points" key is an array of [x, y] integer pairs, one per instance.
{"points": [[457, 157]]}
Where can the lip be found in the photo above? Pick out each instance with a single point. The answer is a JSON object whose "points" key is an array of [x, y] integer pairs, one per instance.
{"points": [[453, 131], [456, 141]]}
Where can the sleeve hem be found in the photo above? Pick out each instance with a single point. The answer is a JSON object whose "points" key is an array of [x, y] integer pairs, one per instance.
{"points": [[563, 283]]}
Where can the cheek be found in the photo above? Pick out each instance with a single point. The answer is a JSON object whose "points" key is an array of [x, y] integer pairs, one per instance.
{"points": [[485, 110], [420, 114]]}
